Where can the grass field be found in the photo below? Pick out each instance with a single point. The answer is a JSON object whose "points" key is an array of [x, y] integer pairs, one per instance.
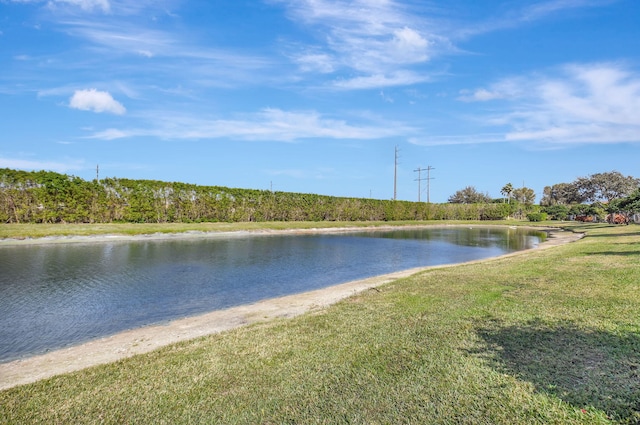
{"points": [[551, 336], [22, 231]]}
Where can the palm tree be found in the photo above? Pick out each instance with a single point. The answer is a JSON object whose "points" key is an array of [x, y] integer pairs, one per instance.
{"points": [[507, 190]]}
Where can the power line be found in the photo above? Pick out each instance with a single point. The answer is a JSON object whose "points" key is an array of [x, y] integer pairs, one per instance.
{"points": [[420, 179], [429, 178]]}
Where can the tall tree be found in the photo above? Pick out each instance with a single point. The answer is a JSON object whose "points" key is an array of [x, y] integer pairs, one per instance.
{"points": [[507, 190], [524, 195], [606, 186], [562, 194], [630, 203], [469, 195]]}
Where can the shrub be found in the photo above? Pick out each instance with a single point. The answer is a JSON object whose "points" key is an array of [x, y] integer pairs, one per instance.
{"points": [[557, 212], [538, 216]]}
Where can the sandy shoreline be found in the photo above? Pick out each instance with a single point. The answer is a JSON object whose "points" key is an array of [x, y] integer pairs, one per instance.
{"points": [[197, 234], [143, 340]]}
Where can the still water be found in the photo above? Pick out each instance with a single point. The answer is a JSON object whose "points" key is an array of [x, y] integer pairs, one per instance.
{"points": [[52, 296]]}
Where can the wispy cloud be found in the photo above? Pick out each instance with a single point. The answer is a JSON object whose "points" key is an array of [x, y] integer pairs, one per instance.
{"points": [[172, 55], [381, 41], [542, 9], [507, 88], [131, 43], [581, 103], [122, 38], [479, 95], [531, 12], [86, 5], [397, 78], [377, 44], [25, 164], [267, 125], [460, 139], [117, 7], [592, 104], [103, 5]]}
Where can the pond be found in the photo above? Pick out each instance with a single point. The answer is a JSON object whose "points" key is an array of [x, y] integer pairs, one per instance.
{"points": [[56, 295]]}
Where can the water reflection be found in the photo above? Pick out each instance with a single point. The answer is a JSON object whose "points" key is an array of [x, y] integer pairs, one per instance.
{"points": [[58, 295]]}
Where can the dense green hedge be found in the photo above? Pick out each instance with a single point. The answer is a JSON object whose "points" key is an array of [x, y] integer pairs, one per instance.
{"points": [[49, 197]]}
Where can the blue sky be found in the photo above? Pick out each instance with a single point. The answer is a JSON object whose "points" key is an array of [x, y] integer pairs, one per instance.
{"points": [[315, 96]]}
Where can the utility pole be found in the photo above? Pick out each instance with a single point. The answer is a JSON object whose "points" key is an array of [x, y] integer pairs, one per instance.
{"points": [[395, 175], [98, 173], [429, 168], [419, 179]]}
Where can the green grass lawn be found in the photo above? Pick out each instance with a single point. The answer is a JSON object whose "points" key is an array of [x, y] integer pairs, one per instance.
{"points": [[550, 336]]}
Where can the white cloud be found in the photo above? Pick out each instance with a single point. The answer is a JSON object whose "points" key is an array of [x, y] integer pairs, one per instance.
{"points": [[596, 103], [104, 5], [508, 88], [410, 46], [540, 10], [87, 5], [479, 95], [125, 38], [531, 11], [315, 62], [269, 124], [582, 103], [386, 97], [378, 40], [112, 134], [170, 51], [466, 139], [398, 78], [96, 101]]}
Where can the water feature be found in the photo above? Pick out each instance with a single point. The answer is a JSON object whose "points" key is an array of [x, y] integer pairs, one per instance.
{"points": [[57, 295]]}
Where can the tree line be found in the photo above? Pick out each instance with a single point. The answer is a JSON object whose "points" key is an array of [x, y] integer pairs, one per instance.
{"points": [[517, 203], [596, 195], [50, 197], [600, 187], [470, 195]]}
